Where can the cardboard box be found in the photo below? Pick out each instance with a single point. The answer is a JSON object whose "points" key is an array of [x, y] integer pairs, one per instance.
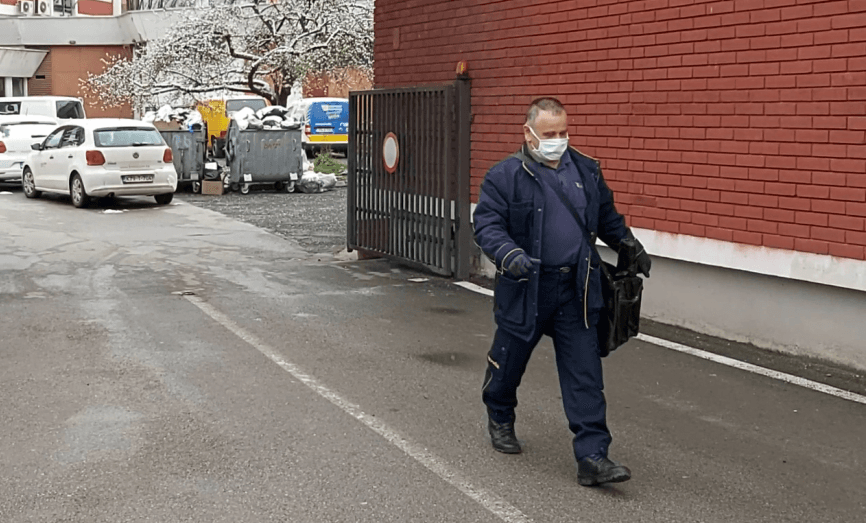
{"points": [[168, 126], [213, 187]]}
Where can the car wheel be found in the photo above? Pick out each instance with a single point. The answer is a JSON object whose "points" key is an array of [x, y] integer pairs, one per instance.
{"points": [[76, 190], [29, 184], [245, 188], [196, 187], [164, 199]]}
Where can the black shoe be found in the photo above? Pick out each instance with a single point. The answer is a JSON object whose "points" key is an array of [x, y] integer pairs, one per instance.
{"points": [[503, 438], [597, 469]]}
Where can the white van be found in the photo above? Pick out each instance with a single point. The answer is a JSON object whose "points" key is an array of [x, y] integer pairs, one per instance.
{"points": [[57, 107]]}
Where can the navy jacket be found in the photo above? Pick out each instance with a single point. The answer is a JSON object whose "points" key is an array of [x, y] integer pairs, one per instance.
{"points": [[510, 215]]}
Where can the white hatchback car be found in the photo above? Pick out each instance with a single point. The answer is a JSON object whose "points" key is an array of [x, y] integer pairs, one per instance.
{"points": [[101, 157], [17, 133]]}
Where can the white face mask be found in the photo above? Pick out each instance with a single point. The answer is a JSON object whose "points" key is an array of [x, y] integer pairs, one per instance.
{"points": [[550, 150]]}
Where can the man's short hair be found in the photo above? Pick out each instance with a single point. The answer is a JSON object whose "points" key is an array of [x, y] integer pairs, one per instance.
{"points": [[546, 103]]}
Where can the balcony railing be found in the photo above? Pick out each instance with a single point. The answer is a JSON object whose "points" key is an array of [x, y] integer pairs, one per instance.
{"points": [[156, 5]]}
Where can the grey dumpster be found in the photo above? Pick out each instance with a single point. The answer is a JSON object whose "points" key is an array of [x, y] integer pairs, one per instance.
{"points": [[188, 148], [263, 156]]}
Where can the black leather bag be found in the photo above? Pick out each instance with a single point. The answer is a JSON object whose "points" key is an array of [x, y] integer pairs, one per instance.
{"points": [[621, 291], [620, 317]]}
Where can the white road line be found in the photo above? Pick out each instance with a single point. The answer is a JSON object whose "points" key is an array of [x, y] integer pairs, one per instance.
{"points": [[474, 288], [788, 378], [493, 503], [724, 360]]}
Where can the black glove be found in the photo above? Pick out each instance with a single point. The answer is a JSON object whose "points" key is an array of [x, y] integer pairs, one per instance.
{"points": [[633, 258], [519, 264]]}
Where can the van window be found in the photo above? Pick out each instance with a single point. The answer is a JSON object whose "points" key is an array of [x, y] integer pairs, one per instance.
{"points": [[70, 109], [233, 106], [10, 107]]}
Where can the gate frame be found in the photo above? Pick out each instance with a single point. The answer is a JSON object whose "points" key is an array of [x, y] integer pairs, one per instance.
{"points": [[460, 136]]}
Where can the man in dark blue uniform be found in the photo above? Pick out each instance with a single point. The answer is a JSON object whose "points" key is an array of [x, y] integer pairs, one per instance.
{"points": [[548, 281]]}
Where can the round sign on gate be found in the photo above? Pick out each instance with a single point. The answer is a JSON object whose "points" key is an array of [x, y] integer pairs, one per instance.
{"points": [[390, 152]]}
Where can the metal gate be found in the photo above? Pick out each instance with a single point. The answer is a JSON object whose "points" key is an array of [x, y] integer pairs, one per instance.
{"points": [[408, 186]]}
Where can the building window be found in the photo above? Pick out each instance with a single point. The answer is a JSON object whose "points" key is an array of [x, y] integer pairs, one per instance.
{"points": [[63, 7], [18, 86]]}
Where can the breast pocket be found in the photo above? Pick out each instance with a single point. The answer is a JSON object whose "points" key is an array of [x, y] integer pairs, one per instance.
{"points": [[520, 221]]}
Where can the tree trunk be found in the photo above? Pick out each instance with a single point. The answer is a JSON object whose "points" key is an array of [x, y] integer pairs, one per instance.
{"points": [[284, 96]]}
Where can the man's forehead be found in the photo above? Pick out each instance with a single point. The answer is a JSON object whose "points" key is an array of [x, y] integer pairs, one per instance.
{"points": [[549, 119]]}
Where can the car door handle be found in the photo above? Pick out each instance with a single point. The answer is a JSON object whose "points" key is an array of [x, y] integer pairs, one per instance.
{"points": [[50, 157], [70, 156]]}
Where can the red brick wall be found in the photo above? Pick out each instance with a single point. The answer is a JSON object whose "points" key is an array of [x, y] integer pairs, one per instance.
{"points": [[69, 65], [743, 121], [95, 7]]}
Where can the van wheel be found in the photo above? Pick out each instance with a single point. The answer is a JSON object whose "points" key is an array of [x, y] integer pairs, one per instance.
{"points": [[164, 199], [29, 184], [79, 195]]}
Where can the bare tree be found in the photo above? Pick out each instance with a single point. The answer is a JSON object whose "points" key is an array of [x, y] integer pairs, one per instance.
{"points": [[260, 46]]}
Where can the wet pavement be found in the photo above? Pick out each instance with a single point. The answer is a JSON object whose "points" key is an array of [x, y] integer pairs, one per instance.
{"points": [[171, 363]]}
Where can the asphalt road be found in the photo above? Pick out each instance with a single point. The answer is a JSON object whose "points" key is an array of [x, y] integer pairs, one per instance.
{"points": [[316, 222], [171, 364]]}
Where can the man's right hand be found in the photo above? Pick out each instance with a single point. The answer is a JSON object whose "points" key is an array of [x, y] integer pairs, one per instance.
{"points": [[633, 258], [518, 264]]}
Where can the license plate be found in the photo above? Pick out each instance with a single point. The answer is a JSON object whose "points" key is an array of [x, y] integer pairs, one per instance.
{"points": [[137, 178]]}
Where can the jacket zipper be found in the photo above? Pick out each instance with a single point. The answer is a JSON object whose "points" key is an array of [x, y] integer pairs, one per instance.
{"points": [[588, 263], [586, 292]]}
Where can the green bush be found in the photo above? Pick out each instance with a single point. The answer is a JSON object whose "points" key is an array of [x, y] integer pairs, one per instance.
{"points": [[325, 163]]}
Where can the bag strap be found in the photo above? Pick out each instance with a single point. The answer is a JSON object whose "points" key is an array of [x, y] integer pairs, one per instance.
{"points": [[590, 239]]}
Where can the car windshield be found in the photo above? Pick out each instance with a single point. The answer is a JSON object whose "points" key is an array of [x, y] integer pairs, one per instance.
{"points": [[70, 109], [127, 137], [233, 106], [9, 107]]}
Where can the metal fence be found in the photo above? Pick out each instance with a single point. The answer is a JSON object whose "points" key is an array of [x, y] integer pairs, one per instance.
{"points": [[417, 208]]}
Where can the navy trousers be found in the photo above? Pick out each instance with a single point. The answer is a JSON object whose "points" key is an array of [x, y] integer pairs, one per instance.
{"points": [[560, 316]]}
